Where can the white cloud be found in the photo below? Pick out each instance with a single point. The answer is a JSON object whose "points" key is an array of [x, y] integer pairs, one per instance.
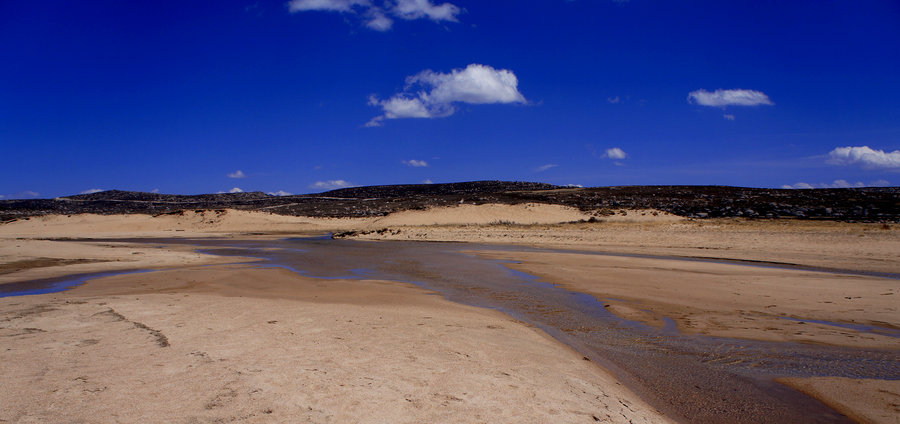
{"points": [[236, 190], [838, 184], [326, 5], [613, 100], [574, 186], [376, 17], [155, 190], [330, 184], [543, 168], [430, 94], [615, 153], [377, 20], [728, 117], [415, 9], [24, 194], [91, 191], [2, 196], [280, 193], [865, 156], [237, 174], [427, 182], [722, 98], [415, 163]]}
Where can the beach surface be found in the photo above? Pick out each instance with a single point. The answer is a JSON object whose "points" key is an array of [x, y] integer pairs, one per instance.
{"points": [[204, 338]]}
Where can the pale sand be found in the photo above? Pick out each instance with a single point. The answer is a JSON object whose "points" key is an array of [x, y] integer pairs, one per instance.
{"points": [[232, 343], [706, 298], [726, 300], [864, 401]]}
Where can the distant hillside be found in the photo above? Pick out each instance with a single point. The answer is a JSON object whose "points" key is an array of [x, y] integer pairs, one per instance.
{"points": [[854, 204]]}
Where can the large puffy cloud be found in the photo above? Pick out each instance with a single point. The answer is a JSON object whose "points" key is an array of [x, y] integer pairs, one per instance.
{"points": [[866, 157], [735, 97], [377, 17], [435, 93]]}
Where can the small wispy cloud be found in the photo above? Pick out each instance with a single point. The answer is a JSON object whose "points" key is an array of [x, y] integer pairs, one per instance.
{"points": [[2, 196], [865, 157], [155, 190], [331, 184], [728, 117], [427, 182], [723, 98], [280, 193], [237, 174], [415, 163], [378, 18], [613, 100], [838, 184], [91, 191], [236, 190], [543, 168], [27, 194], [430, 94], [615, 153]]}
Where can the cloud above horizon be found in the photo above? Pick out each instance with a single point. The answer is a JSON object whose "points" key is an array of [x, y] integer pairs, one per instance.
{"points": [[864, 156], [280, 193], [838, 184], [734, 97], [416, 163], [331, 185], [91, 191], [615, 153], [237, 174], [543, 168], [377, 17], [430, 94], [25, 195]]}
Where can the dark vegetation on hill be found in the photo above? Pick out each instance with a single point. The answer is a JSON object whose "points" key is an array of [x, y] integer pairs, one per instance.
{"points": [[853, 204]]}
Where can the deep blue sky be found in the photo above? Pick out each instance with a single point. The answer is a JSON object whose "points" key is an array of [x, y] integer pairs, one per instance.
{"points": [[174, 96]]}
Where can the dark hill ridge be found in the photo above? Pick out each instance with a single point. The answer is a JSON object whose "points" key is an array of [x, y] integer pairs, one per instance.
{"points": [[855, 204]]}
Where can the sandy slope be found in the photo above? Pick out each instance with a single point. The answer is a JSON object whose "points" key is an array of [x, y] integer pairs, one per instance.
{"points": [[865, 401]]}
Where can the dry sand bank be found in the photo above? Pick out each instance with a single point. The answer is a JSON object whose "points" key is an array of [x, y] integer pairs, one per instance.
{"points": [[864, 401], [725, 299], [233, 343], [857, 246]]}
